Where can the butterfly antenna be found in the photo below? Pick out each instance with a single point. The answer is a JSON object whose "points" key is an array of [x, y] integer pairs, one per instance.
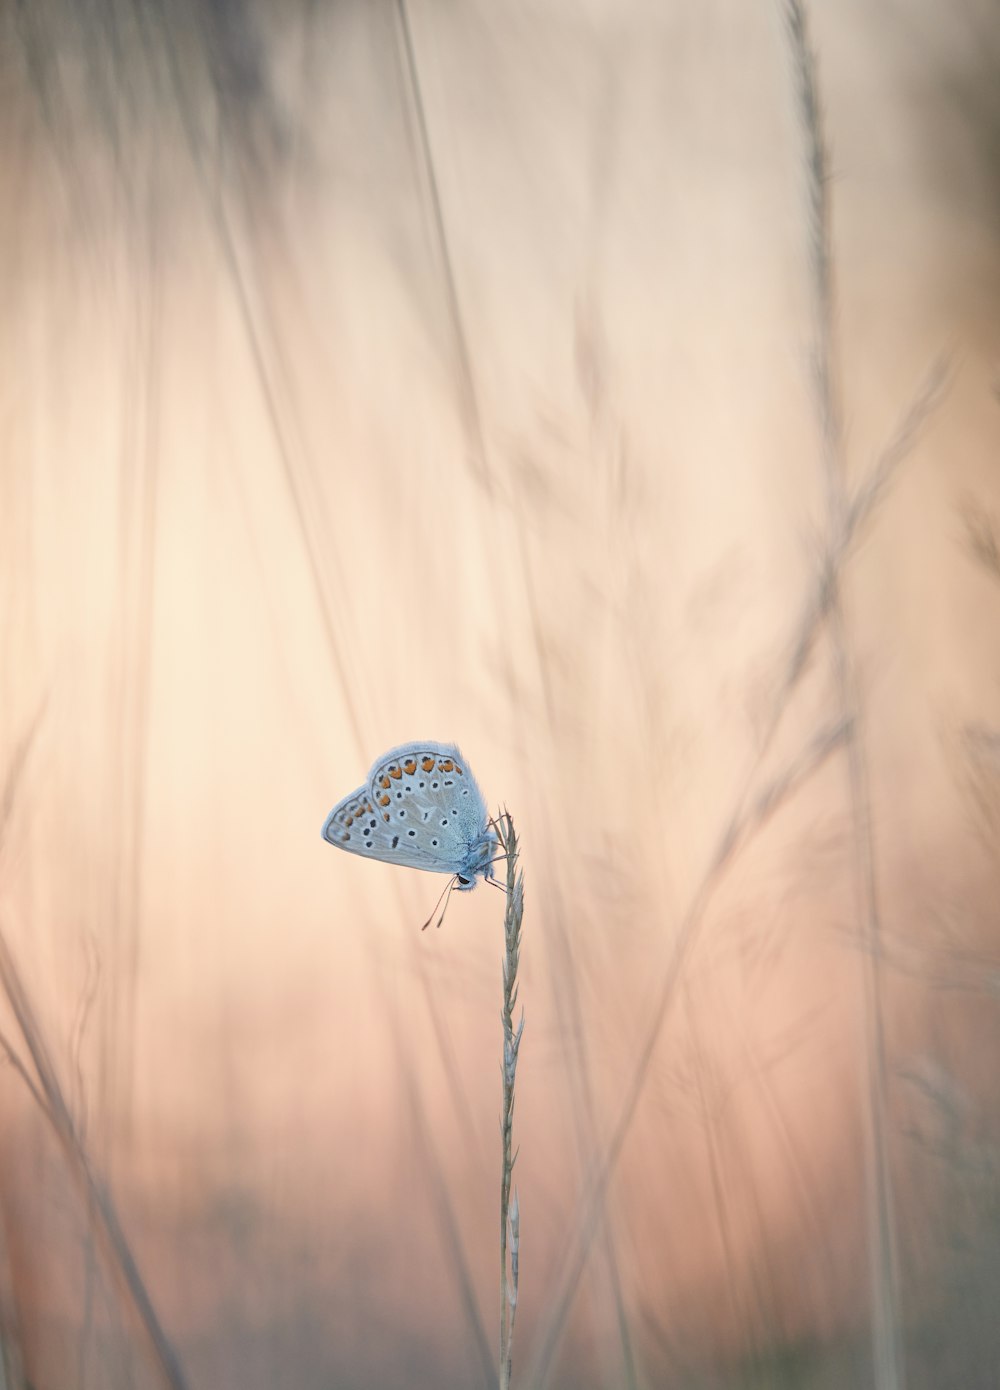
{"points": [[445, 894]]}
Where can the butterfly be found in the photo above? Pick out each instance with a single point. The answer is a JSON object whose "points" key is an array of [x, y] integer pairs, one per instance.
{"points": [[421, 807]]}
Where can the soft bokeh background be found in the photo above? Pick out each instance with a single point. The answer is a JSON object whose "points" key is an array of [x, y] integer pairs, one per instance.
{"points": [[373, 372]]}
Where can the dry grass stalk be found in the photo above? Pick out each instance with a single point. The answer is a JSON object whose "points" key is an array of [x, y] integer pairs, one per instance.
{"points": [[510, 1216], [755, 804], [42, 1082], [887, 1352], [49, 1096]]}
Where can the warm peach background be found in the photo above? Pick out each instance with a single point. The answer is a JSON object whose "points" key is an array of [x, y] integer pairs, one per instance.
{"points": [[254, 529]]}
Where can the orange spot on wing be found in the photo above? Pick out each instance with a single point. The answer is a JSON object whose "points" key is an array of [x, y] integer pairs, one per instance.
{"points": [[447, 765], [410, 766], [395, 772], [384, 782], [428, 764], [385, 815], [384, 799], [345, 836], [349, 820]]}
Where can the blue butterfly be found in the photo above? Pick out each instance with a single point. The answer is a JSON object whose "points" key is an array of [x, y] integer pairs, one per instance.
{"points": [[421, 807]]}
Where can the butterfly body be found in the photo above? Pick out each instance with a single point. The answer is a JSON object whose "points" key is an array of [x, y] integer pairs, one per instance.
{"points": [[422, 808]]}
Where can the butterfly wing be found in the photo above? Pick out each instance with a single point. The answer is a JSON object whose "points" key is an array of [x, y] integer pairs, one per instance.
{"points": [[354, 825], [425, 793], [421, 808]]}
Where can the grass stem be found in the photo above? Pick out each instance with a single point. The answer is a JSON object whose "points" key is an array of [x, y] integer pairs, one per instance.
{"points": [[510, 1215]]}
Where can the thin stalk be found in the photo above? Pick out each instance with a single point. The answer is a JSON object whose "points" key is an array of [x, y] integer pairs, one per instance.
{"points": [[48, 1094], [510, 1216], [887, 1352]]}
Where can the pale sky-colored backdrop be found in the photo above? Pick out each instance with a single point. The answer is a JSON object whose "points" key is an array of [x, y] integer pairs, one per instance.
{"points": [[371, 374]]}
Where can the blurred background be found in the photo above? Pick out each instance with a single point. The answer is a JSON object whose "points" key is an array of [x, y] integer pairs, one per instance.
{"points": [[373, 372]]}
